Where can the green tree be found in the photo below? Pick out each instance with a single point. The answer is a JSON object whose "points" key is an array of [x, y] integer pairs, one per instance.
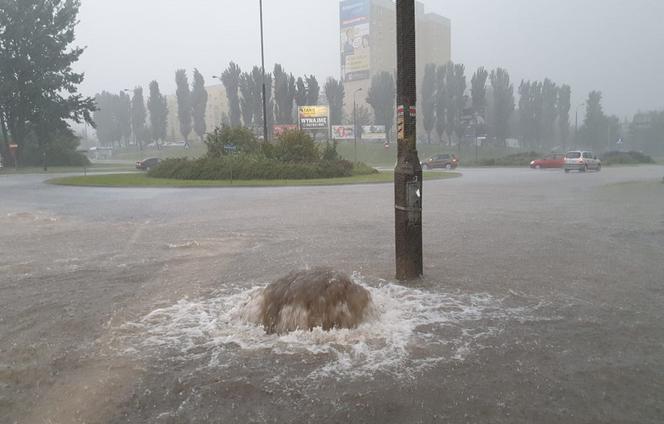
{"points": [[382, 99], [300, 92], [257, 76], [564, 106], [123, 113], [334, 91], [138, 116], [452, 112], [478, 91], [429, 99], [38, 86], [549, 112], [107, 119], [199, 99], [526, 113], [248, 93], [313, 90], [594, 130], [284, 94], [296, 147], [158, 108], [183, 95], [231, 80], [441, 101], [242, 138], [503, 103], [460, 99]]}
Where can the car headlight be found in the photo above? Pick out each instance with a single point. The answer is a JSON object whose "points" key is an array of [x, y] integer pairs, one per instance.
{"points": [[532, 162]]}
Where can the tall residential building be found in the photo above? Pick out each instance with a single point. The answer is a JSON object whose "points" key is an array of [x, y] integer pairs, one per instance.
{"points": [[368, 44]]}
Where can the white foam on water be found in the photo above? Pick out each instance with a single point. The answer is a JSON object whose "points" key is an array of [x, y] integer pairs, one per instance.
{"points": [[412, 330], [183, 245]]}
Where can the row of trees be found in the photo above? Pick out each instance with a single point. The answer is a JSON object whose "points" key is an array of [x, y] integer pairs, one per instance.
{"points": [[489, 108], [283, 93], [192, 104], [121, 120], [646, 132]]}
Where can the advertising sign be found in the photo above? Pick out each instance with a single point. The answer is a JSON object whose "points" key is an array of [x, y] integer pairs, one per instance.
{"points": [[313, 118], [373, 132], [278, 130], [355, 48], [343, 132]]}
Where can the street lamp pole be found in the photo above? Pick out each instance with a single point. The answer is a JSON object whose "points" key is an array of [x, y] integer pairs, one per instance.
{"points": [[260, 3], [355, 119], [576, 126]]}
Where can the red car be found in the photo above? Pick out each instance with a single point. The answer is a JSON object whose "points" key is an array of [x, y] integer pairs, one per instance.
{"points": [[553, 160]]}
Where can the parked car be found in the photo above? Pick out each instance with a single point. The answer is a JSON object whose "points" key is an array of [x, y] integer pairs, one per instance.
{"points": [[443, 160], [147, 164], [582, 161], [552, 160]]}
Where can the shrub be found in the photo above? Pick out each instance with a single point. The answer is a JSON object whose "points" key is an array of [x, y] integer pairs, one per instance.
{"points": [[518, 159], [249, 167], [626, 158], [361, 168], [242, 138], [296, 146], [330, 151]]}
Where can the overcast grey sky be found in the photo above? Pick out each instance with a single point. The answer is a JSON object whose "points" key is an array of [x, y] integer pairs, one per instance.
{"points": [[610, 45]]}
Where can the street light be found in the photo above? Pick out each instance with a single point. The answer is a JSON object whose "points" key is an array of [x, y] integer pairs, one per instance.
{"points": [[355, 119], [576, 125], [260, 3]]}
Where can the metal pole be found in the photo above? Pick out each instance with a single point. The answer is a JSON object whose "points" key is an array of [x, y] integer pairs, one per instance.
{"points": [[408, 172], [355, 125], [355, 119], [576, 129], [265, 139]]}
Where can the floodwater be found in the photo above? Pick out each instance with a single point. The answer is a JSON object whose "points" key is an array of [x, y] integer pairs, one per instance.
{"points": [[541, 303]]}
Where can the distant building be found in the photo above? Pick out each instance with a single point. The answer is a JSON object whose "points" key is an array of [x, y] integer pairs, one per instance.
{"points": [[368, 44]]}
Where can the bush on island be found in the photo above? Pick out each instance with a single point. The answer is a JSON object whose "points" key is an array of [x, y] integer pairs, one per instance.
{"points": [[294, 155]]}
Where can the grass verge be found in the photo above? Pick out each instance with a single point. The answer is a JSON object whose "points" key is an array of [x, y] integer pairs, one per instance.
{"points": [[142, 180], [96, 167]]}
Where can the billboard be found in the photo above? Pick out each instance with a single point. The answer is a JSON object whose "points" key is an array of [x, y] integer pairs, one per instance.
{"points": [[343, 132], [278, 130], [312, 118], [373, 132], [355, 48]]}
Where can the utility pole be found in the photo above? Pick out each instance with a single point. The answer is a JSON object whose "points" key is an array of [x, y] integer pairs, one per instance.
{"points": [[265, 139], [408, 172]]}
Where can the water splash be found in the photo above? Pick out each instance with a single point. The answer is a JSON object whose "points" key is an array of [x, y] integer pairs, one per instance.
{"points": [[412, 331]]}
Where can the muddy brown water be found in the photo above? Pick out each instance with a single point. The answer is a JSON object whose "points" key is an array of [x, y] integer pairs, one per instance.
{"points": [[541, 303]]}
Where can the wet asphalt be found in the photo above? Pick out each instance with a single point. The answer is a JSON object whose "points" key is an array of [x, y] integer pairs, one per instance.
{"points": [[582, 254]]}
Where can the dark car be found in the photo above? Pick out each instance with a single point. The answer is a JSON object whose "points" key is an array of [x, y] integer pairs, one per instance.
{"points": [[147, 164], [443, 160]]}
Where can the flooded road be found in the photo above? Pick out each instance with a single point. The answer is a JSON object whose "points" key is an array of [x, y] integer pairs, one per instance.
{"points": [[542, 302]]}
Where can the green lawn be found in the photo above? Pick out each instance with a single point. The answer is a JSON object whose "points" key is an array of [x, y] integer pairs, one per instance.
{"points": [[142, 180], [96, 167]]}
